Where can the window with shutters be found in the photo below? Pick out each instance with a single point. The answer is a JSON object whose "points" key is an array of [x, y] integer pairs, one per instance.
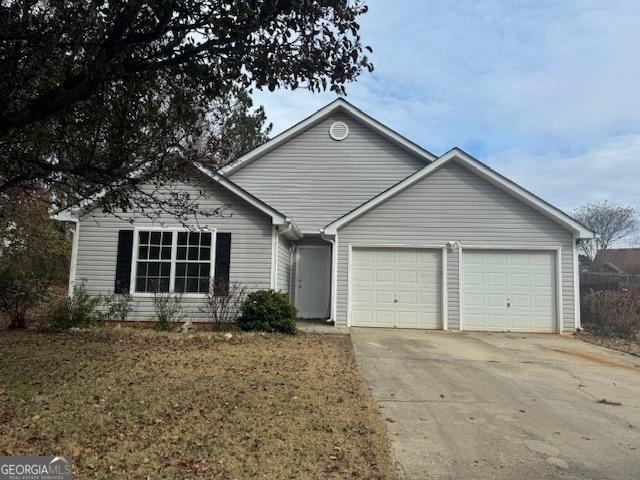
{"points": [[173, 261]]}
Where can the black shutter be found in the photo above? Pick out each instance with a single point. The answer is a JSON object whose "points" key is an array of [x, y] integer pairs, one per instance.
{"points": [[123, 261], [223, 262]]}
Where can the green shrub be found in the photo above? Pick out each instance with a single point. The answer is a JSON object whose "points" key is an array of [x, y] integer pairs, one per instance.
{"points": [[79, 311], [268, 311], [612, 313]]}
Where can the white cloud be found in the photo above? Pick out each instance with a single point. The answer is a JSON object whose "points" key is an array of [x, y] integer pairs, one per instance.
{"points": [[610, 171], [557, 82]]}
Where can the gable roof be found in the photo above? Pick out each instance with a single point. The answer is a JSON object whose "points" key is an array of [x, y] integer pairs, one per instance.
{"points": [[621, 260], [338, 105], [71, 214], [479, 169]]}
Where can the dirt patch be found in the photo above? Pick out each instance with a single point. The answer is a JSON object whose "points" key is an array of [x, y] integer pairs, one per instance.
{"points": [[628, 346], [140, 404]]}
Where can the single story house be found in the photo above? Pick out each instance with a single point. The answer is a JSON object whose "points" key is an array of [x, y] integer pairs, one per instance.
{"points": [[361, 227]]}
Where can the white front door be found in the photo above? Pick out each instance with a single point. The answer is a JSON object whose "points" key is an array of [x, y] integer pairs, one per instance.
{"points": [[508, 290], [396, 287], [313, 278]]}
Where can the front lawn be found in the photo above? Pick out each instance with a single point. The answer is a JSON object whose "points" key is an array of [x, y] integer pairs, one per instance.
{"points": [[139, 404]]}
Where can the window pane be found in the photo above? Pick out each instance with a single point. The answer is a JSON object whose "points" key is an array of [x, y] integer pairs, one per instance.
{"points": [[166, 253], [154, 269], [192, 284], [167, 237], [165, 269], [194, 238], [164, 284], [140, 284], [192, 269], [143, 237], [154, 253], [143, 253], [155, 238], [180, 269], [204, 269], [205, 253], [182, 253], [141, 269], [205, 239], [204, 285], [182, 238], [180, 283], [152, 284], [193, 253]]}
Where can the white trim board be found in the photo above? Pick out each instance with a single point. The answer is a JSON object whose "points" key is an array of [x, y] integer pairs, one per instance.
{"points": [[481, 170], [339, 104]]}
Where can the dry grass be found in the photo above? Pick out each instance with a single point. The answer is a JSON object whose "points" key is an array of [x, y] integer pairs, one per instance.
{"points": [[138, 404]]}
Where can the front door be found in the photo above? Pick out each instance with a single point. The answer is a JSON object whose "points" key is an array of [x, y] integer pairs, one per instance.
{"points": [[313, 277]]}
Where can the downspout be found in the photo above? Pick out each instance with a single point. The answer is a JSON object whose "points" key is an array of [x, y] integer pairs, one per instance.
{"points": [[334, 273], [276, 253]]}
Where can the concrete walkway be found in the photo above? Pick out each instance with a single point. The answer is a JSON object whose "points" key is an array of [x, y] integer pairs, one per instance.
{"points": [[504, 406]]}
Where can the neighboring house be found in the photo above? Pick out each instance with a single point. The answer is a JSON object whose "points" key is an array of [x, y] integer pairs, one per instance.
{"points": [[618, 260], [360, 226]]}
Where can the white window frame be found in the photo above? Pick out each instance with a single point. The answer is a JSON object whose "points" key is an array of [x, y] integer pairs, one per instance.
{"points": [[174, 251]]}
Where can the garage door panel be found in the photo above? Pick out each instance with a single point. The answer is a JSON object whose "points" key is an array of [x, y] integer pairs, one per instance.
{"points": [[384, 276], [362, 296], [363, 275], [383, 296], [384, 318], [409, 277], [508, 290], [405, 288]]}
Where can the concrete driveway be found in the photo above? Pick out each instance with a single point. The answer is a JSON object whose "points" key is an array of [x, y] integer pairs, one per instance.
{"points": [[482, 405]]}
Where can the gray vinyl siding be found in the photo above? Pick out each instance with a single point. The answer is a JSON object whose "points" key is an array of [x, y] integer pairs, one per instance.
{"points": [[315, 179], [250, 246], [454, 204], [284, 264]]}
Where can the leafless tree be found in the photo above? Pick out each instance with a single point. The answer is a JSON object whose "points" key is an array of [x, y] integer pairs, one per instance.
{"points": [[611, 223], [223, 302]]}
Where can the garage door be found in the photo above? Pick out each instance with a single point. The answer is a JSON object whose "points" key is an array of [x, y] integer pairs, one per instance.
{"points": [[393, 287], [508, 291]]}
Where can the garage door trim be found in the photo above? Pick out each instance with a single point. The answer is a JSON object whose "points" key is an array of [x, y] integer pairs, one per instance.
{"points": [[557, 271], [442, 248]]}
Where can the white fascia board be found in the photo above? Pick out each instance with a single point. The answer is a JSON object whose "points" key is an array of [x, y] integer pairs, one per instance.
{"points": [[483, 171], [318, 117]]}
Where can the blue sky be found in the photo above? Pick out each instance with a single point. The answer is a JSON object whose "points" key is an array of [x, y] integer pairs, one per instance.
{"points": [[545, 92]]}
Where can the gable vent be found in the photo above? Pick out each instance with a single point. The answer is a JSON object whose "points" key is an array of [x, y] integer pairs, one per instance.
{"points": [[338, 131]]}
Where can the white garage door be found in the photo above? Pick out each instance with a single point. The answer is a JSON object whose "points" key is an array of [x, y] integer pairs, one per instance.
{"points": [[396, 287], [508, 291]]}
